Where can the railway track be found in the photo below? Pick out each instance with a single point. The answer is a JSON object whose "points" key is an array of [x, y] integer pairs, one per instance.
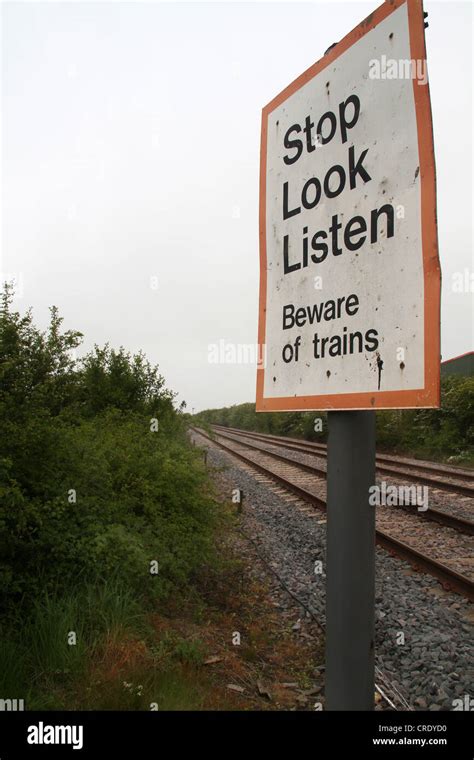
{"points": [[409, 538], [454, 479], [436, 515]]}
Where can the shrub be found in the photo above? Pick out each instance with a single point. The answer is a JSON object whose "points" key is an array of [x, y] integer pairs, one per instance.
{"points": [[89, 488], [441, 433]]}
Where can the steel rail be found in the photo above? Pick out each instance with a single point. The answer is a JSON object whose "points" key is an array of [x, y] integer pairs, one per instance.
{"points": [[465, 489], [433, 514], [448, 577]]}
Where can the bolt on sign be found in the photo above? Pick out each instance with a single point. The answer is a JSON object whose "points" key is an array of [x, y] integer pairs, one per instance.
{"points": [[349, 267]]}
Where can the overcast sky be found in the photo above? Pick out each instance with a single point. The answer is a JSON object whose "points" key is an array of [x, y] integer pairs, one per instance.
{"points": [[130, 163]]}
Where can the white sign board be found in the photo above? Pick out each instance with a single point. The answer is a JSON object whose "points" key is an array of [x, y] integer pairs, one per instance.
{"points": [[350, 279]]}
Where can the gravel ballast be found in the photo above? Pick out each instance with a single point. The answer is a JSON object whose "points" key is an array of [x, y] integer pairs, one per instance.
{"points": [[423, 634]]}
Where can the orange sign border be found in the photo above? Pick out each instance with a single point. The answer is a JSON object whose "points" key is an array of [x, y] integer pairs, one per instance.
{"points": [[429, 396]]}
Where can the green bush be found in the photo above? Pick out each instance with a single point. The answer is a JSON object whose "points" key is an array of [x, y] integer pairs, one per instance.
{"points": [[89, 489], [445, 433], [244, 416]]}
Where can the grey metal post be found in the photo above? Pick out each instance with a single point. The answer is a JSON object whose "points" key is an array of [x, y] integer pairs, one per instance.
{"points": [[350, 562]]}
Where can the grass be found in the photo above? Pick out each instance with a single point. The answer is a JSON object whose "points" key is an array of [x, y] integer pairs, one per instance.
{"points": [[46, 650], [133, 653], [117, 662]]}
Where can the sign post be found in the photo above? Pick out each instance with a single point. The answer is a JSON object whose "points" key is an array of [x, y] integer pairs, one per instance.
{"points": [[350, 287], [350, 562]]}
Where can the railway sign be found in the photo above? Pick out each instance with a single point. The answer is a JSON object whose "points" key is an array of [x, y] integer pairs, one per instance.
{"points": [[349, 270]]}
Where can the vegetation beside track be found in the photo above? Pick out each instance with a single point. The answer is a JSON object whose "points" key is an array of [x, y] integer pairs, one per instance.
{"points": [[98, 479], [445, 434]]}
